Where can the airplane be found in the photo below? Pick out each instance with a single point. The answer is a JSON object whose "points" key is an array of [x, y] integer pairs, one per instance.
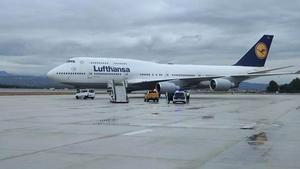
{"points": [[89, 72]]}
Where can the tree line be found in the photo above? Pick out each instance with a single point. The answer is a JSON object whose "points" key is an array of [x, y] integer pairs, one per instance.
{"points": [[292, 87]]}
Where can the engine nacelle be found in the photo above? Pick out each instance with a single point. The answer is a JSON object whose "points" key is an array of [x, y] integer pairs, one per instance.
{"points": [[221, 84], [164, 87]]}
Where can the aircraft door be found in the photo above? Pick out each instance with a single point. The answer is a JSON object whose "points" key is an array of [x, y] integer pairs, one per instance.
{"points": [[89, 75], [82, 66]]}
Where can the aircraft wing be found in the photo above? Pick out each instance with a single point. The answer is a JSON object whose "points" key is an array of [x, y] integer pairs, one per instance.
{"points": [[199, 78], [253, 75], [237, 77], [210, 77], [269, 70], [136, 81]]}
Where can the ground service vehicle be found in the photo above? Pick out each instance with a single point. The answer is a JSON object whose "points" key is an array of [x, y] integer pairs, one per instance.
{"points": [[85, 94], [180, 96], [151, 95]]}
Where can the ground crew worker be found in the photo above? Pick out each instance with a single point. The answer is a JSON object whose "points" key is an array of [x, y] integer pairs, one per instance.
{"points": [[187, 96], [169, 97]]}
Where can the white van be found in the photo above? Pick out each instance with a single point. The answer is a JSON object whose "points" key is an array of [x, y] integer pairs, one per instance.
{"points": [[85, 94]]}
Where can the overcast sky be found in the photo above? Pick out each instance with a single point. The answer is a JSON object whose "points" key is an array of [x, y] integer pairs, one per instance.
{"points": [[36, 35]]}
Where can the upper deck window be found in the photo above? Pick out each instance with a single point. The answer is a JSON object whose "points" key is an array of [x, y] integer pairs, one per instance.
{"points": [[71, 61]]}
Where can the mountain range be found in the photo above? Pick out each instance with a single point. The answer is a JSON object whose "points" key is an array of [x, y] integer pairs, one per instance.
{"points": [[8, 80]]}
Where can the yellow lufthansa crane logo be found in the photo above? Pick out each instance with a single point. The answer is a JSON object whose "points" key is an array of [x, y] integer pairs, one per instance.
{"points": [[261, 50]]}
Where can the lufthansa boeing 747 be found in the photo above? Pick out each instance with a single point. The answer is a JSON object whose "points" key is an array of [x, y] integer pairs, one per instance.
{"points": [[87, 72]]}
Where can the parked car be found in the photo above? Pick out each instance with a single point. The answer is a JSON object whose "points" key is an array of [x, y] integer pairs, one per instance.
{"points": [[180, 96]]}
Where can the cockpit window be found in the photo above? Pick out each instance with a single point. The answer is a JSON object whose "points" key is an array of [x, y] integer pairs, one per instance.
{"points": [[71, 61]]}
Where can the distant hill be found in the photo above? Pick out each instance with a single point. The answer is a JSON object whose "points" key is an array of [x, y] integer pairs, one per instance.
{"points": [[3, 73], [8, 80]]}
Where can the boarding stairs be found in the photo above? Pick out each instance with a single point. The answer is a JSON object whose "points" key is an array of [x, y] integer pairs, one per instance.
{"points": [[118, 92]]}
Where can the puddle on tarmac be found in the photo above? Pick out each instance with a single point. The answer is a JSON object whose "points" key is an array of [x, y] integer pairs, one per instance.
{"points": [[208, 117], [248, 126], [257, 139], [194, 108], [155, 114]]}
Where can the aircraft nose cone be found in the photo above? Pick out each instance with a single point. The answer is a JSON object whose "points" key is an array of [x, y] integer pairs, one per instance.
{"points": [[51, 74]]}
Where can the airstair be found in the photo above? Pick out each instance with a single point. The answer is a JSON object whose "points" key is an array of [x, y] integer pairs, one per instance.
{"points": [[118, 92]]}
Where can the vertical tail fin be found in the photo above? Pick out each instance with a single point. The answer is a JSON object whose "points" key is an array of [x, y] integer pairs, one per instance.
{"points": [[257, 55]]}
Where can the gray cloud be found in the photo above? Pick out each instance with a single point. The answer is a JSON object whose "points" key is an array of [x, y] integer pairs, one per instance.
{"points": [[37, 35]]}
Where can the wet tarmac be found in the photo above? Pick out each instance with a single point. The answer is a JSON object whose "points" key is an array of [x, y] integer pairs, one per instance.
{"points": [[212, 131]]}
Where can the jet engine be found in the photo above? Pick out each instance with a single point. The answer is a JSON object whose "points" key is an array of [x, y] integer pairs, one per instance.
{"points": [[221, 84], [164, 87]]}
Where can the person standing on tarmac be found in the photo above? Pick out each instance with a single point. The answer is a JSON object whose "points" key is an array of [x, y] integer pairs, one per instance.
{"points": [[187, 96], [169, 97]]}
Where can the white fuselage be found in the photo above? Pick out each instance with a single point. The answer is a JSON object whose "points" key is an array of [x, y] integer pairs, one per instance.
{"points": [[98, 72]]}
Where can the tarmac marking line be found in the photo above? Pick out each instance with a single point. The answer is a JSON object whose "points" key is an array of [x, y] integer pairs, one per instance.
{"points": [[137, 132]]}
